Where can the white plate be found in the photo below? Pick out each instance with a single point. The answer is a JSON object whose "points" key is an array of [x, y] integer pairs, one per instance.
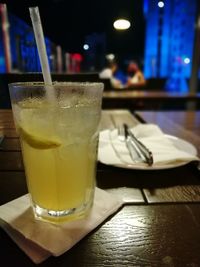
{"points": [[178, 143]]}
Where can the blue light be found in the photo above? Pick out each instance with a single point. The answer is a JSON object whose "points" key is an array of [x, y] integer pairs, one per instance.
{"points": [[171, 58], [145, 7]]}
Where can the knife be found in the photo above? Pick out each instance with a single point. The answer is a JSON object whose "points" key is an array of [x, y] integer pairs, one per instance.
{"points": [[142, 151]]}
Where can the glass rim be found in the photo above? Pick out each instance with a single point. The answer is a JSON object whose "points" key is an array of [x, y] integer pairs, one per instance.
{"points": [[57, 84]]}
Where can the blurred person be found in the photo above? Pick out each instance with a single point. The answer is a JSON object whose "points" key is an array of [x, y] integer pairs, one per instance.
{"points": [[135, 75], [107, 72], [116, 76]]}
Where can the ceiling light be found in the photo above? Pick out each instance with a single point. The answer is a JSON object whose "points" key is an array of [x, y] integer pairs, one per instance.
{"points": [[186, 60], [121, 24], [86, 47], [161, 4]]}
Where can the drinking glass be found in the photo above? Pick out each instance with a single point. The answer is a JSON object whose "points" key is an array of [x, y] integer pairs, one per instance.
{"points": [[59, 140]]}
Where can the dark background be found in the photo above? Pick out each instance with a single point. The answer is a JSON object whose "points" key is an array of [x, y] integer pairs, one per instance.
{"points": [[67, 23]]}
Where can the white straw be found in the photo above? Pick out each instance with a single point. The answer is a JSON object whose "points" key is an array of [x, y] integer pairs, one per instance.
{"points": [[39, 37]]}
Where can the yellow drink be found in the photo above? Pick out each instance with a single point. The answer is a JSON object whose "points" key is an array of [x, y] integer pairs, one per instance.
{"points": [[56, 181], [59, 146]]}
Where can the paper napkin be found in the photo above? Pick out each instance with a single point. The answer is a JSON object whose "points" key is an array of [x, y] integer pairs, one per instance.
{"points": [[165, 151], [38, 239]]}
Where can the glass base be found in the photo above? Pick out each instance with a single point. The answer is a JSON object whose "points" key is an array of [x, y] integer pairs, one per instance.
{"points": [[63, 215]]}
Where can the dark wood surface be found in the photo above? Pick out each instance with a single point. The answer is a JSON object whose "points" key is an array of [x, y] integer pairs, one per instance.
{"points": [[150, 100], [160, 222]]}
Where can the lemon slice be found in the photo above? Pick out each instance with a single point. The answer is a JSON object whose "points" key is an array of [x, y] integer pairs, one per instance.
{"points": [[38, 141]]}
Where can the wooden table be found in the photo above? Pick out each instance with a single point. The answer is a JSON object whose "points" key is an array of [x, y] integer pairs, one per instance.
{"points": [[158, 226], [150, 100]]}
